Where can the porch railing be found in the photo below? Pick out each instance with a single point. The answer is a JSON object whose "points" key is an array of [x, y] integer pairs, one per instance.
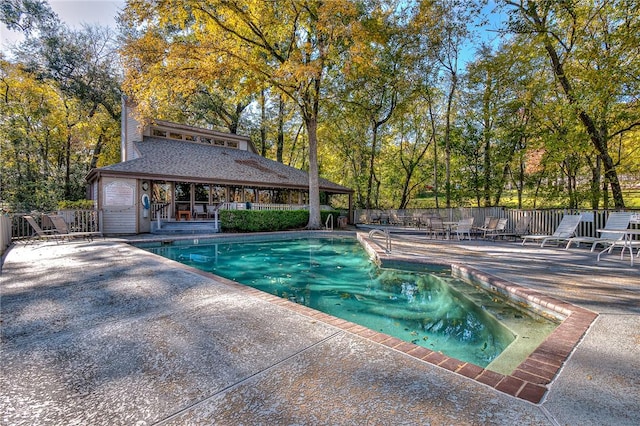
{"points": [[162, 210]]}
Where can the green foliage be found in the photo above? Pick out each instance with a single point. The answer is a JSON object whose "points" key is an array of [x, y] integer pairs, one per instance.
{"points": [[268, 220], [75, 205]]}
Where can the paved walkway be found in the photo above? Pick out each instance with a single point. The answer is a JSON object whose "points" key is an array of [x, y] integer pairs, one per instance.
{"points": [[103, 333]]}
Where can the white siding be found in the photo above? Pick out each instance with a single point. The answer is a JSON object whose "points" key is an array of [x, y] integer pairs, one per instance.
{"points": [[119, 219]]}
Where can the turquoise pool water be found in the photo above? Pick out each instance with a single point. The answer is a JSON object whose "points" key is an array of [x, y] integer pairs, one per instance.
{"points": [[335, 275]]}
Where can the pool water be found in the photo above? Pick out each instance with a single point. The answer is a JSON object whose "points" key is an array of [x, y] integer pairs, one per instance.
{"points": [[336, 276]]}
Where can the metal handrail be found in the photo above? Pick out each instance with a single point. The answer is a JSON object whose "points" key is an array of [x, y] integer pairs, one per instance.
{"points": [[385, 234], [326, 223]]}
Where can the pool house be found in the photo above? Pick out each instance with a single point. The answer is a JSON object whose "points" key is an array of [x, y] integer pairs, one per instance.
{"points": [[172, 172]]}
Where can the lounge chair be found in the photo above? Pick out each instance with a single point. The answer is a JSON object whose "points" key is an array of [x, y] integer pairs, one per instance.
{"points": [[39, 233], [464, 228], [490, 224], [616, 220], [565, 230], [499, 228], [522, 227], [63, 230]]}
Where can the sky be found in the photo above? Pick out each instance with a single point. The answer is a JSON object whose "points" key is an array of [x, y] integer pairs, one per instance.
{"points": [[74, 13]]}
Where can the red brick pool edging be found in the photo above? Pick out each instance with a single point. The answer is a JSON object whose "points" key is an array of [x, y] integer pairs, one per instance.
{"points": [[530, 378], [528, 381]]}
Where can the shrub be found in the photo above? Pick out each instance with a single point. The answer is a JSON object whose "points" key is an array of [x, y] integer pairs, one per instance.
{"points": [[268, 220]]}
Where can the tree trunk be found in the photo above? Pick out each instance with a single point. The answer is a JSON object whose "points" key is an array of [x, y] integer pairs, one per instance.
{"points": [[598, 139], [596, 171], [372, 158], [280, 142], [447, 137], [314, 183], [263, 124]]}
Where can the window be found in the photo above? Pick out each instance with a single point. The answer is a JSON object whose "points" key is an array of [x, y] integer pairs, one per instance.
{"points": [[160, 192], [183, 192], [235, 194], [201, 193], [219, 194], [265, 196], [250, 195]]}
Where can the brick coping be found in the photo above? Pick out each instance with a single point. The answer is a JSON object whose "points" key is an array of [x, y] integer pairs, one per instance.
{"points": [[530, 379]]}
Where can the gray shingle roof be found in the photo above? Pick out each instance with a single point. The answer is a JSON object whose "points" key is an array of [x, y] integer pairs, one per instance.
{"points": [[187, 161]]}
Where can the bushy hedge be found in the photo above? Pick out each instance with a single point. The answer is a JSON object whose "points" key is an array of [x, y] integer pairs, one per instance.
{"points": [[268, 220]]}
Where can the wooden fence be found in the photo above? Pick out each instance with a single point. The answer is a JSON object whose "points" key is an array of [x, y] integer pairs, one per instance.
{"points": [[77, 221], [543, 221], [5, 232]]}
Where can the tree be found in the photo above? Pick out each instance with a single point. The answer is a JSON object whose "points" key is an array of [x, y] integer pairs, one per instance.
{"points": [[416, 136], [28, 16], [592, 49], [447, 23], [45, 141], [60, 106], [286, 45]]}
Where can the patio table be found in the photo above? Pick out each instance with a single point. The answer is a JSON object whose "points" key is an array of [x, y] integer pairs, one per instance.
{"points": [[627, 242], [449, 227], [407, 219]]}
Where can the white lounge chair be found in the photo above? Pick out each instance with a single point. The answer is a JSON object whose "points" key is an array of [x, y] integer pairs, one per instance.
{"points": [[490, 224], [499, 228], [63, 230], [521, 229], [38, 232], [565, 230], [616, 220]]}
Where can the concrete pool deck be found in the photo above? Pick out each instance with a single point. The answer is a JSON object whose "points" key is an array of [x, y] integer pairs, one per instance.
{"points": [[104, 333]]}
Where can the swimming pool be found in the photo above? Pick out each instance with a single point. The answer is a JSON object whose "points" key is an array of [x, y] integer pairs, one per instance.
{"points": [[336, 276]]}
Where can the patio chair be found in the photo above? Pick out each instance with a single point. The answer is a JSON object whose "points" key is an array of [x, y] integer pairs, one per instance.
{"points": [[464, 228], [616, 220], [436, 227], [565, 230], [394, 219], [63, 231], [38, 232], [198, 211]]}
